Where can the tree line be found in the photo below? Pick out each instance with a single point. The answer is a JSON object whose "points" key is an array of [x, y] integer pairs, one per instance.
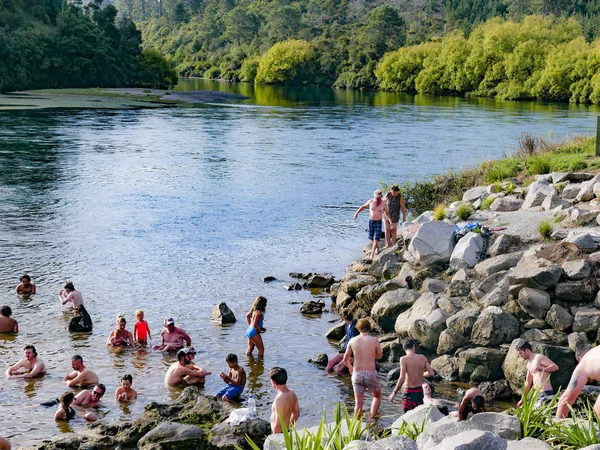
{"points": [[58, 44]]}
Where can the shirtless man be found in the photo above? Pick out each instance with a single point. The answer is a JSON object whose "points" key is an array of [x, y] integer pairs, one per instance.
{"points": [[82, 375], [33, 365], [395, 205], [181, 373], [191, 355], [285, 406], [413, 367], [90, 398], [235, 379], [588, 368], [472, 402], [7, 323], [173, 338], [365, 349], [69, 294], [539, 368], [26, 287], [377, 208], [4, 444]]}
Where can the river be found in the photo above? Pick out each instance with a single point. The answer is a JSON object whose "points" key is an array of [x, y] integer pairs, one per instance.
{"points": [[174, 210]]}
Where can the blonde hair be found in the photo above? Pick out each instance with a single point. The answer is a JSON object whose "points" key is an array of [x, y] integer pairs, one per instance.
{"points": [[138, 313], [120, 318], [260, 304]]}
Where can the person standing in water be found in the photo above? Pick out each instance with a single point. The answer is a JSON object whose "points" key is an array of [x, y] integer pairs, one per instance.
{"points": [[26, 287], [377, 209], [69, 294], [255, 328], [141, 330]]}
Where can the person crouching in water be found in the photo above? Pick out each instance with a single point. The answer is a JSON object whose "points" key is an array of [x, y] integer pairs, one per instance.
{"points": [[235, 379], [336, 363]]}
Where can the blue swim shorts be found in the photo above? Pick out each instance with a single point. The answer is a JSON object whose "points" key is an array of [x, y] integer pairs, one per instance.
{"points": [[375, 229], [251, 332], [231, 391]]}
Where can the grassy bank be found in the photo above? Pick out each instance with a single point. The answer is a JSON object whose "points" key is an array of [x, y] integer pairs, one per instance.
{"points": [[534, 156]]}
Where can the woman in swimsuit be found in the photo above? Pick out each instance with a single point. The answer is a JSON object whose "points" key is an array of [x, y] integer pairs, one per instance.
{"points": [[120, 337], [65, 412], [255, 326]]}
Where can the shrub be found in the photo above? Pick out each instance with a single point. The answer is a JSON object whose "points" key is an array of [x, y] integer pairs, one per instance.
{"points": [[154, 70], [249, 68], [501, 170], [510, 188], [537, 165], [528, 145], [439, 212], [535, 420], [419, 196], [464, 211], [289, 62], [487, 203], [581, 431], [545, 229], [560, 187], [578, 165], [212, 73]]}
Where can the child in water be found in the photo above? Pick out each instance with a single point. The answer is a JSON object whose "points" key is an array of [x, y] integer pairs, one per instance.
{"points": [[255, 319], [125, 393], [141, 330], [235, 379]]}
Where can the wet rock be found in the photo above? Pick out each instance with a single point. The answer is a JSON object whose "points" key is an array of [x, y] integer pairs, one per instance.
{"points": [[576, 270], [319, 281], [432, 244], [369, 295], [336, 332], [501, 244], [390, 305], [494, 327], [222, 314], [559, 318], [467, 251], [462, 322], [582, 291], [226, 437], [450, 341], [534, 302], [446, 366], [312, 307], [268, 279], [481, 364], [434, 286], [495, 390], [303, 276], [293, 287], [319, 360], [498, 263], [422, 308], [174, 436], [472, 440], [586, 319]]}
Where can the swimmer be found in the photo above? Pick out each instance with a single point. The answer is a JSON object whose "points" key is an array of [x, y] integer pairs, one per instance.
{"points": [[33, 365], [235, 379], [4, 444], [125, 393], [90, 398], [172, 338], [181, 374], [191, 355], [69, 294], [255, 328], [66, 412], [26, 287], [141, 330], [120, 337], [82, 375], [7, 323]]}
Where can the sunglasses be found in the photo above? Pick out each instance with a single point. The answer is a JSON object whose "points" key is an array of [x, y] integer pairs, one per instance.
{"points": [[99, 394]]}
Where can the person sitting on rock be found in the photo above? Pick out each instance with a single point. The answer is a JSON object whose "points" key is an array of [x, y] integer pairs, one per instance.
{"points": [[235, 379], [337, 362], [539, 368], [473, 402], [588, 368]]}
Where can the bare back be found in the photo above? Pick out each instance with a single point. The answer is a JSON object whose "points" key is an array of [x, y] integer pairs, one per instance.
{"points": [[8, 325], [366, 349], [285, 406], [415, 366], [590, 364]]}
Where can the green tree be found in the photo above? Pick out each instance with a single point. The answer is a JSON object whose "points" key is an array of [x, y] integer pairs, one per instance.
{"points": [[288, 62]]}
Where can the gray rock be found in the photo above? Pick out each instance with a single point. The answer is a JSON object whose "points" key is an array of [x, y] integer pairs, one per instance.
{"points": [[573, 177], [293, 287], [449, 341], [353, 282], [559, 318], [336, 332], [369, 295], [481, 364], [446, 366], [499, 294], [390, 305], [586, 319], [476, 193], [570, 191], [467, 251], [422, 308], [529, 444], [319, 360], [534, 302], [394, 443], [577, 341], [505, 204], [501, 244], [312, 307], [268, 279], [503, 425], [535, 273], [448, 305], [553, 201], [536, 193], [319, 281], [495, 390], [422, 413], [494, 327], [433, 243], [586, 193], [547, 336], [577, 270], [342, 299], [462, 322], [393, 374], [460, 275], [581, 239], [427, 331], [582, 291], [539, 324], [580, 216], [472, 440], [391, 351], [498, 263], [458, 289], [222, 314], [435, 286], [591, 447], [174, 435]]}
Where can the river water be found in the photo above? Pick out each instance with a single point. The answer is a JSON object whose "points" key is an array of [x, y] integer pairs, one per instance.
{"points": [[174, 210]]}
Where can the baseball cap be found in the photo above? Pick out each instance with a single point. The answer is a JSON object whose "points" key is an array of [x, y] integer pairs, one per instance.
{"points": [[395, 187], [170, 321]]}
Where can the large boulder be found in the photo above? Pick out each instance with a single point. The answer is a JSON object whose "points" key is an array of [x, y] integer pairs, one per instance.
{"points": [[472, 440], [432, 244], [506, 204], [570, 191], [318, 281], [498, 263], [503, 425], [559, 318], [529, 444], [449, 341], [535, 273], [227, 437], [581, 291], [390, 305], [171, 435], [577, 270], [467, 252], [494, 327], [515, 367], [550, 336], [537, 193], [369, 294], [222, 314], [493, 291], [462, 322], [422, 308], [353, 282], [336, 332], [391, 351], [586, 319], [572, 177], [534, 302], [422, 413], [427, 331], [586, 193], [481, 364], [580, 216], [446, 366], [582, 239], [553, 201], [501, 244], [474, 194], [493, 390]]}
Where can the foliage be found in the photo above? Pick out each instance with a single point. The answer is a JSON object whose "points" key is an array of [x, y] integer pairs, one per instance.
{"points": [[439, 212], [538, 165], [464, 211], [545, 228], [487, 203], [579, 432], [535, 420], [509, 188], [501, 170], [412, 430], [288, 62], [154, 70]]}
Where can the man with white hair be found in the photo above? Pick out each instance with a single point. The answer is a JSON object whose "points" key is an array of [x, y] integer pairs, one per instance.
{"points": [[377, 208]]}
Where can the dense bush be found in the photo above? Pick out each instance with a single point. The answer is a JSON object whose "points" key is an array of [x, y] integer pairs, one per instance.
{"points": [[288, 62]]}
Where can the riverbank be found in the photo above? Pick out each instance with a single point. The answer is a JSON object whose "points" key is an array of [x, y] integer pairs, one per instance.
{"points": [[110, 98]]}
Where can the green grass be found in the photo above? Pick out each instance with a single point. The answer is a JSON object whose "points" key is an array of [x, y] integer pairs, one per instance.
{"points": [[538, 165], [545, 229], [464, 211], [582, 431], [535, 420], [502, 169], [487, 203], [510, 188], [439, 212]]}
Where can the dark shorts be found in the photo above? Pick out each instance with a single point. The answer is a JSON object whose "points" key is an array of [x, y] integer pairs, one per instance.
{"points": [[411, 398], [469, 410], [375, 229]]}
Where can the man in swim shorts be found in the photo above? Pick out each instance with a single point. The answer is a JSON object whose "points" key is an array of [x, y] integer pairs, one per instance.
{"points": [[33, 365], [377, 208], [82, 375], [539, 368], [413, 367], [365, 349], [7, 323], [180, 372], [173, 338]]}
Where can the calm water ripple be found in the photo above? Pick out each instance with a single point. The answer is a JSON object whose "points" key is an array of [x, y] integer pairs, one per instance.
{"points": [[174, 210]]}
